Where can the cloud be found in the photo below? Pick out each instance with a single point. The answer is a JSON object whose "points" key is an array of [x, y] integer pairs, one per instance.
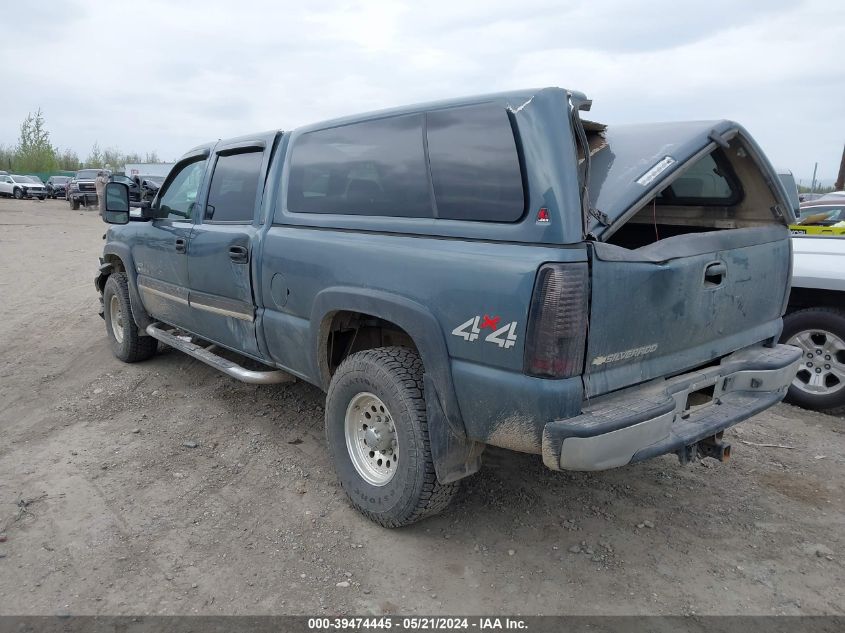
{"points": [[165, 76]]}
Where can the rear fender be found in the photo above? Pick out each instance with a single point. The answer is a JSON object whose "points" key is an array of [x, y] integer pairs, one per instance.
{"points": [[455, 456]]}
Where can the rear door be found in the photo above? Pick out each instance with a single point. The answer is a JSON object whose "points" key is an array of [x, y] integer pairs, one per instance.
{"points": [[221, 250]]}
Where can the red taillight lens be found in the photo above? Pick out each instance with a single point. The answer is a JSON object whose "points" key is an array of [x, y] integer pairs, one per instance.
{"points": [[557, 321]]}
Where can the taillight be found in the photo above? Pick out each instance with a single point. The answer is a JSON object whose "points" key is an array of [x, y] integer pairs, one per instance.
{"points": [[557, 321]]}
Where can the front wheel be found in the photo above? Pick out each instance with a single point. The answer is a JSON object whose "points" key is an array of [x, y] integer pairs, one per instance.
{"points": [[820, 381], [18, 194], [74, 203], [377, 434], [125, 340]]}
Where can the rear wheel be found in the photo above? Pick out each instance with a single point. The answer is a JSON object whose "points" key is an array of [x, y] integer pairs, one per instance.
{"points": [[377, 434], [125, 339], [820, 381]]}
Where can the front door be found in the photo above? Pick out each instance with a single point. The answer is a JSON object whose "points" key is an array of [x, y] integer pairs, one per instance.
{"points": [[221, 251], [161, 246]]}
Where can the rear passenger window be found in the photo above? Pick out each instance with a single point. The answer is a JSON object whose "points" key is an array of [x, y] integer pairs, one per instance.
{"points": [[474, 164], [234, 187], [368, 168]]}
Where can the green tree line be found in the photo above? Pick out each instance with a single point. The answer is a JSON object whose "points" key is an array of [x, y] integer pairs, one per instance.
{"points": [[34, 152]]}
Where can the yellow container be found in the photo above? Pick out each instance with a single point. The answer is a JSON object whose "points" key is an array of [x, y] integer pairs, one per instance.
{"points": [[804, 229]]}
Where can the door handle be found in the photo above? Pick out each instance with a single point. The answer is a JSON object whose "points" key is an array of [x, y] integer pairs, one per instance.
{"points": [[239, 254], [714, 274], [181, 245]]}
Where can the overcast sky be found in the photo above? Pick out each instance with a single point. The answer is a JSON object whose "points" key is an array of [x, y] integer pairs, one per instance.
{"points": [[164, 76]]}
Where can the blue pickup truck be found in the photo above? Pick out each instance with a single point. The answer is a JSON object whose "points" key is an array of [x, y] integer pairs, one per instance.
{"points": [[494, 270]]}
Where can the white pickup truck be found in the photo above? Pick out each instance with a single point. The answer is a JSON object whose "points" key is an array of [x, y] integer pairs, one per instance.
{"points": [[815, 322]]}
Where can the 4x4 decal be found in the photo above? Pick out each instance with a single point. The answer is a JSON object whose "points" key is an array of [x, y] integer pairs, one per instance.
{"points": [[470, 330]]}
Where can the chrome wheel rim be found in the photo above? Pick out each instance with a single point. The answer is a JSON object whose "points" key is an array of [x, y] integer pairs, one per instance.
{"points": [[822, 370], [371, 439], [116, 319]]}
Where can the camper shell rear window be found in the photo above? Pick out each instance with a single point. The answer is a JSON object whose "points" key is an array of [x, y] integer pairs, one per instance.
{"points": [[710, 181]]}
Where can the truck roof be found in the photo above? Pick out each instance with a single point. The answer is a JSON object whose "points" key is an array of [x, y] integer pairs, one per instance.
{"points": [[515, 99]]}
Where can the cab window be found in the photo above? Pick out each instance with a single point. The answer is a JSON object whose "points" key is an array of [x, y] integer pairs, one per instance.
{"points": [[234, 188], [178, 200]]}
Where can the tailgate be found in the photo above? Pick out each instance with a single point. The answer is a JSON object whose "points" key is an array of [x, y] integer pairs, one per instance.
{"points": [[683, 301]]}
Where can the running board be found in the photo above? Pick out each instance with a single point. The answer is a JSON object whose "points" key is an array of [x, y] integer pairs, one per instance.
{"points": [[229, 368]]}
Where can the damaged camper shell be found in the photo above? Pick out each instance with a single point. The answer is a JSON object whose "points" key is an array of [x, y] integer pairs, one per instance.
{"points": [[488, 270]]}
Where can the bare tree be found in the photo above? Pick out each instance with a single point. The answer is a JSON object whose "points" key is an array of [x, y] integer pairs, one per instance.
{"points": [[95, 158], [68, 160]]}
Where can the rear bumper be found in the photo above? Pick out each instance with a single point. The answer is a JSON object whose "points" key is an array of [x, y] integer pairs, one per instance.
{"points": [[655, 418]]}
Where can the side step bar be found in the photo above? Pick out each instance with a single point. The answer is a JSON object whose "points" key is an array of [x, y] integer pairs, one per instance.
{"points": [[229, 368]]}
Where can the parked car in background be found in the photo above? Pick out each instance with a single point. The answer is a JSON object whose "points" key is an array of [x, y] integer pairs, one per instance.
{"points": [[452, 277], [134, 189], [82, 189], [149, 186], [788, 182], [815, 322], [821, 217], [57, 186], [809, 197], [22, 187], [833, 195]]}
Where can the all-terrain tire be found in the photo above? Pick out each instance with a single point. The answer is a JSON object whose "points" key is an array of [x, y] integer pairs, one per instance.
{"points": [[125, 340], [828, 322], [395, 376], [74, 203]]}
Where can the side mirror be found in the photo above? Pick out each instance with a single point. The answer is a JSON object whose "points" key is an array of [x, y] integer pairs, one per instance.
{"points": [[117, 203]]}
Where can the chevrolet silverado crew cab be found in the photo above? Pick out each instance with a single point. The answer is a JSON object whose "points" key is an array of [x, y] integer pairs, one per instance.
{"points": [[492, 270]]}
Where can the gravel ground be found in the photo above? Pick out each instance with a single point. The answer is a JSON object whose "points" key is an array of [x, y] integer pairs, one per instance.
{"points": [[164, 487]]}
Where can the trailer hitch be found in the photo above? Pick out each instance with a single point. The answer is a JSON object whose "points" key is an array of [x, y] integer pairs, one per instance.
{"points": [[708, 447]]}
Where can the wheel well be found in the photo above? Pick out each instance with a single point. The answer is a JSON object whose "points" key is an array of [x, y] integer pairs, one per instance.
{"points": [[800, 298], [117, 266], [344, 332]]}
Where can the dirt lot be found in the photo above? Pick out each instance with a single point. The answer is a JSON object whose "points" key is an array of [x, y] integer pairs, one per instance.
{"points": [[106, 511]]}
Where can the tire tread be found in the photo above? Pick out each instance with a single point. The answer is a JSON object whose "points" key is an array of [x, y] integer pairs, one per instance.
{"points": [[404, 366], [138, 348]]}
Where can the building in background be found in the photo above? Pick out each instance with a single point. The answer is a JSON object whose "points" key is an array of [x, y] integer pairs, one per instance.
{"points": [[147, 169]]}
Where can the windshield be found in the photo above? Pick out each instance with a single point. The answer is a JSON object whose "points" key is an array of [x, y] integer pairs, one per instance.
{"points": [[826, 215], [60, 180], [153, 179], [124, 179], [87, 174], [22, 179]]}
